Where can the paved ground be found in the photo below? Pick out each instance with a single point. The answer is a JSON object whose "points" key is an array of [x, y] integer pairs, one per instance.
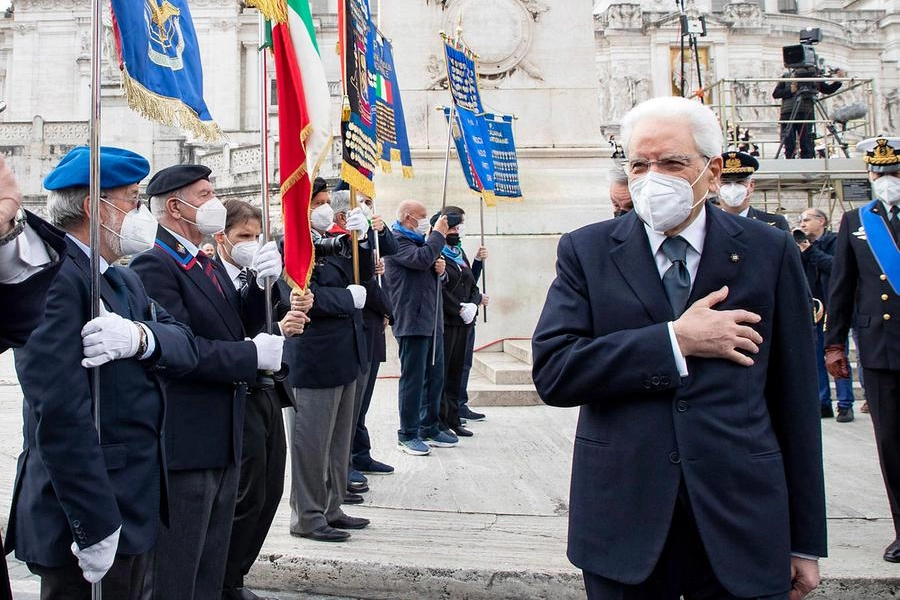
{"points": [[487, 520]]}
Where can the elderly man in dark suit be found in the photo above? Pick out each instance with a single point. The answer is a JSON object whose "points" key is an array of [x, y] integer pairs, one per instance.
{"points": [[865, 294], [86, 508], [737, 188], [31, 253], [685, 336], [205, 414]]}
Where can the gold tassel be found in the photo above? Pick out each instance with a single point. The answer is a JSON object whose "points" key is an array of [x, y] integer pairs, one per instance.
{"points": [[345, 110], [357, 180], [489, 198], [395, 155], [407, 172], [386, 166], [167, 111], [274, 10]]}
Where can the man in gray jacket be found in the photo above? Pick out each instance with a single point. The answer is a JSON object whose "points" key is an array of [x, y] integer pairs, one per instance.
{"points": [[411, 278]]}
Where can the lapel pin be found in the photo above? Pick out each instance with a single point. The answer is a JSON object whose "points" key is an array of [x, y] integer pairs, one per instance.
{"points": [[181, 249], [734, 257]]}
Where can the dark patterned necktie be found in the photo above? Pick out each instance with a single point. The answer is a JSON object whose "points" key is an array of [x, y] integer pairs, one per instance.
{"points": [[242, 279], [677, 280], [207, 264], [117, 283]]}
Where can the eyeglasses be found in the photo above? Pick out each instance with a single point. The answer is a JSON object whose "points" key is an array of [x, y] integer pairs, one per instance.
{"points": [[134, 200], [667, 164]]}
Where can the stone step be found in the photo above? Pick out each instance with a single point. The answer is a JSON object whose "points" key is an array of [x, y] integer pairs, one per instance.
{"points": [[521, 349], [483, 392], [501, 368]]}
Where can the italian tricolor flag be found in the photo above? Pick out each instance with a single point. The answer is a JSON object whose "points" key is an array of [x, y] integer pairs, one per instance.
{"points": [[304, 124]]}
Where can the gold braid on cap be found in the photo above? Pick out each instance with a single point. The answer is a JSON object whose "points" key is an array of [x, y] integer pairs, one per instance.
{"points": [[734, 165], [882, 154]]}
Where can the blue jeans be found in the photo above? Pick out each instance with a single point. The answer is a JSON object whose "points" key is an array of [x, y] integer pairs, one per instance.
{"points": [[844, 387], [421, 384]]}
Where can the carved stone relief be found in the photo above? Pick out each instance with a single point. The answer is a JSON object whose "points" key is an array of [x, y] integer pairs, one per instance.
{"points": [[742, 14], [623, 16]]}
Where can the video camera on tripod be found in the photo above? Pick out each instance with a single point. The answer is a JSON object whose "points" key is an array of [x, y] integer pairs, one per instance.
{"points": [[801, 59]]}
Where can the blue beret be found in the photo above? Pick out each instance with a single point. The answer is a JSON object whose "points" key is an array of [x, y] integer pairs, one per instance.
{"points": [[176, 177], [118, 167]]}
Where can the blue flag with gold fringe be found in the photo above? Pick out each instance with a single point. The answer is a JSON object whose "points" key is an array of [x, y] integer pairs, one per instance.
{"points": [[503, 150], [390, 123], [160, 62]]}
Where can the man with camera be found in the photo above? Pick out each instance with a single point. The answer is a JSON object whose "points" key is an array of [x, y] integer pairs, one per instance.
{"points": [[817, 252], [798, 107]]}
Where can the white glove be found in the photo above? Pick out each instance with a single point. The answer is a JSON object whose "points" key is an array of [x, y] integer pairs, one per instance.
{"points": [[96, 560], [109, 337], [356, 221], [359, 295], [267, 263], [467, 312], [268, 351]]}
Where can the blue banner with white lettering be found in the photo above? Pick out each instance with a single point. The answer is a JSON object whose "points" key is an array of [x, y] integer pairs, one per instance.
{"points": [[160, 62], [474, 130], [461, 153], [503, 151]]}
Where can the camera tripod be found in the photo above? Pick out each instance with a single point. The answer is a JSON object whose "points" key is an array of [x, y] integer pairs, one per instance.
{"points": [[810, 94]]}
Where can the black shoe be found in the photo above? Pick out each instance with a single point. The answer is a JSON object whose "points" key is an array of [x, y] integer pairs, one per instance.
{"points": [[461, 431], [376, 467], [845, 415], [242, 593], [357, 488], [325, 533], [892, 552], [827, 411], [470, 415], [351, 498], [348, 522]]}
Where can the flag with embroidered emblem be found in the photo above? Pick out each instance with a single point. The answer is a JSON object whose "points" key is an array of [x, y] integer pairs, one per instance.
{"points": [[390, 123], [160, 62]]}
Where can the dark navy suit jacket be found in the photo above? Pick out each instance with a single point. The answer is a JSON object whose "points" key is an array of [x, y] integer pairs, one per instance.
{"points": [[746, 441], [23, 302], [775, 220], [204, 420], [68, 487]]}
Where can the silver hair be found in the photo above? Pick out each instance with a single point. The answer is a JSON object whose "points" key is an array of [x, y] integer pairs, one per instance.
{"points": [[705, 127], [340, 201], [617, 175], [65, 207], [158, 203]]}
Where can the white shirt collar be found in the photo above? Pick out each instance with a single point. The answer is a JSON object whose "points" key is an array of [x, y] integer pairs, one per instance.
{"points": [[694, 234], [87, 250], [233, 272]]}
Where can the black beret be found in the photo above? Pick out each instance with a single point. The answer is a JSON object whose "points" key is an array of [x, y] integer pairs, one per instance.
{"points": [[175, 178], [453, 219], [319, 185]]}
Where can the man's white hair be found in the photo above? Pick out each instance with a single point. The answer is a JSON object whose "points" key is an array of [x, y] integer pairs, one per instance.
{"points": [[705, 127], [65, 207], [340, 201]]}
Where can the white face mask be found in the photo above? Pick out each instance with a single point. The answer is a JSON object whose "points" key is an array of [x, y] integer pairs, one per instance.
{"points": [[663, 201], [137, 232], [210, 216], [423, 225], [732, 194], [322, 217], [887, 189], [242, 253]]}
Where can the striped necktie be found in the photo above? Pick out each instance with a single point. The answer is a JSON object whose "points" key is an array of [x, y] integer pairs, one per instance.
{"points": [[207, 265]]}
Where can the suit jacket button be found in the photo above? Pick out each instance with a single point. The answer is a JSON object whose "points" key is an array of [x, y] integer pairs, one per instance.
{"points": [[647, 385], [882, 277], [674, 458], [681, 406], [886, 317], [664, 380], [884, 297], [654, 380]]}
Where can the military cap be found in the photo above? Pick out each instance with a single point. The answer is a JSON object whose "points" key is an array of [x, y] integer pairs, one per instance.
{"points": [[882, 154], [738, 165], [176, 177], [118, 167], [319, 185]]}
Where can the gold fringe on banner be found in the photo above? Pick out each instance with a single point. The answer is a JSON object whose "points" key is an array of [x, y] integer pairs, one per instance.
{"points": [[395, 155], [386, 166], [274, 10], [489, 198], [167, 111], [408, 172], [357, 180]]}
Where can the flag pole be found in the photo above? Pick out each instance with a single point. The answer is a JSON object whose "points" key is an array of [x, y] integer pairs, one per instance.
{"points": [[437, 300], [96, 28], [483, 271], [264, 156], [354, 239]]}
